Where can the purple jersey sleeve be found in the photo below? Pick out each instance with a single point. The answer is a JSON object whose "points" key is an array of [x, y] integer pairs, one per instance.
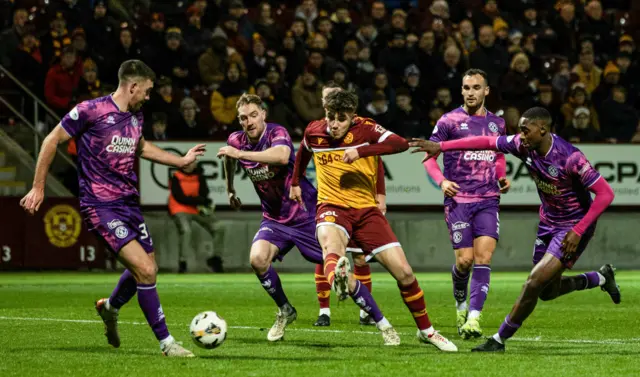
{"points": [[77, 120], [280, 136], [440, 131], [510, 144], [579, 167], [234, 140]]}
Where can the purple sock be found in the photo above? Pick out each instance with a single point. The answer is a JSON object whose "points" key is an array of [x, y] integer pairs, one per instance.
{"points": [[150, 305], [479, 286], [124, 290], [592, 281], [460, 282], [362, 297], [507, 329], [271, 283]]}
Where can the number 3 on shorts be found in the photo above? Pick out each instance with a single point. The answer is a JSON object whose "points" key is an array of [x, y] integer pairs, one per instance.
{"points": [[143, 230]]}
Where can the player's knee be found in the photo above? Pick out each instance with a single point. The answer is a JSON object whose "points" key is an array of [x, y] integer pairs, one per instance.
{"points": [[534, 285], [464, 263], [359, 260], [146, 274], [405, 275], [548, 293], [259, 262]]}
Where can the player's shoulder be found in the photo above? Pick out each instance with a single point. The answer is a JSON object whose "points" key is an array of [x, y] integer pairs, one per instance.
{"points": [[566, 151], [236, 138], [316, 127], [451, 117], [491, 117]]}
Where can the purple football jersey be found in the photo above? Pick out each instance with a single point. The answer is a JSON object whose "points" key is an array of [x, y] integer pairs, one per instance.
{"points": [[563, 177], [272, 182], [106, 140], [473, 171]]}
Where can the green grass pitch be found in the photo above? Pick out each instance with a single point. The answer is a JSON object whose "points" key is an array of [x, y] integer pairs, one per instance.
{"points": [[48, 327]]}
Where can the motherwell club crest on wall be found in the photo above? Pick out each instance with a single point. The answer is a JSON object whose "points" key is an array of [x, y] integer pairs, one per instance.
{"points": [[62, 224]]}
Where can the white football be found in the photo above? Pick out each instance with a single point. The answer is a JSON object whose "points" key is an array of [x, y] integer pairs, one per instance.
{"points": [[208, 330]]}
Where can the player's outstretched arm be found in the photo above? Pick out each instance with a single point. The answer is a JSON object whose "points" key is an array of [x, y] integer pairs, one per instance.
{"points": [[151, 152], [389, 143], [229, 174], [468, 143], [276, 155], [32, 201]]}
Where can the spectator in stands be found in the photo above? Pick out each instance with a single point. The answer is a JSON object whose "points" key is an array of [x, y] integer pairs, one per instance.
{"points": [[71, 10], [223, 100], [125, 10], [256, 60], [155, 38], [174, 60], [365, 69], [408, 120], [196, 36], [239, 13], [518, 86], [277, 111], [429, 62], [588, 73], [578, 98], [368, 36], [596, 26], [189, 127], [266, 26], [628, 75], [61, 81], [27, 64], [342, 24], [316, 62], [546, 98], [450, 76], [211, 12], [580, 130], [380, 84], [11, 38], [213, 61], [611, 78], [55, 40], [89, 86], [466, 37], [530, 24], [125, 50], [489, 57], [512, 120], [307, 12], [279, 86], [444, 100], [515, 42], [163, 101], [379, 14], [99, 29], [229, 26], [379, 110], [561, 78], [435, 113], [293, 50], [619, 120], [350, 52], [307, 97], [158, 130], [412, 84], [565, 27], [189, 202], [324, 26], [396, 57], [529, 47], [487, 15], [501, 30]]}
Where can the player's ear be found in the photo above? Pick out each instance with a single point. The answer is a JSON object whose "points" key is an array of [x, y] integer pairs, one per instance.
{"points": [[132, 88]]}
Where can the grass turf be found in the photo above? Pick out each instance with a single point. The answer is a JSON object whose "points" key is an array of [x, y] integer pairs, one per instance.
{"points": [[48, 327]]}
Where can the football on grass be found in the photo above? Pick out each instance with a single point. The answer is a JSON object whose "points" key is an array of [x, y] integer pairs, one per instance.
{"points": [[208, 330]]}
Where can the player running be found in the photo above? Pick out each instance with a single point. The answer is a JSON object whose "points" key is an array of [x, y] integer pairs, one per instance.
{"points": [[265, 152], [108, 133], [472, 183], [346, 149], [568, 215], [361, 269]]}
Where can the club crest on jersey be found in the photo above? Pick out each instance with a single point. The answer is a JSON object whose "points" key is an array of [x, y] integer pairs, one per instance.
{"points": [[348, 138], [464, 126], [493, 127], [134, 121], [111, 119], [553, 171]]}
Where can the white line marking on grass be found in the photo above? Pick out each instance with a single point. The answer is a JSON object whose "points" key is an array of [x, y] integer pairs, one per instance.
{"points": [[518, 339]]}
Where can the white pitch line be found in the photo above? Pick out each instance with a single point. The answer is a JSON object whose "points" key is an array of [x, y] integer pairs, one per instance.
{"points": [[536, 339]]}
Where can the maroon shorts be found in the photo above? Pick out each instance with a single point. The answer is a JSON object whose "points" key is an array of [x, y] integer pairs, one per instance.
{"points": [[366, 228]]}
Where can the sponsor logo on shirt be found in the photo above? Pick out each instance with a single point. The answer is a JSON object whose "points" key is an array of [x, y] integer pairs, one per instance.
{"points": [[111, 119], [459, 225], [114, 223], [493, 127], [545, 187], [122, 145], [261, 173], [479, 156], [329, 216], [464, 126]]}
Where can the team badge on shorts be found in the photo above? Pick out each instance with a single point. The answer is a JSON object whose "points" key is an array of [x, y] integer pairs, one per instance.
{"points": [[553, 171], [457, 237], [493, 127], [122, 232]]}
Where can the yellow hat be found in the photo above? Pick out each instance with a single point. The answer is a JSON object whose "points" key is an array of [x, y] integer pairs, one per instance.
{"points": [[611, 68], [499, 24]]}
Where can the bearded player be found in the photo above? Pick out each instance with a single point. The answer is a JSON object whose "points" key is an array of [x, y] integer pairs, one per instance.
{"points": [[346, 149], [472, 183], [108, 133], [568, 215], [265, 152]]}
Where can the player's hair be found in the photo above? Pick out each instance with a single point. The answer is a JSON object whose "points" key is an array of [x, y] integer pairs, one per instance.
{"points": [[331, 85], [135, 69], [476, 71], [541, 114], [341, 101], [248, 99]]}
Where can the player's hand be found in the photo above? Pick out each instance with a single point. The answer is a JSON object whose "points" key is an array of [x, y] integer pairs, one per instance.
{"points": [[431, 148], [381, 201], [32, 201], [234, 201], [295, 193], [229, 151], [193, 154], [505, 185], [350, 155], [449, 188], [570, 242]]}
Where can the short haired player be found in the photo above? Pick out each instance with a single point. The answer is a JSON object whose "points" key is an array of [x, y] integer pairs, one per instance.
{"points": [[108, 133], [568, 215], [265, 152], [345, 149], [472, 185]]}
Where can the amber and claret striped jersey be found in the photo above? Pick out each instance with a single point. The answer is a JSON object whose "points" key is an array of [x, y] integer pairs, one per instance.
{"points": [[346, 185]]}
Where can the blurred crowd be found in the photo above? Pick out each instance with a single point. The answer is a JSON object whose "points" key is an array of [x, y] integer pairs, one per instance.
{"points": [[405, 59]]}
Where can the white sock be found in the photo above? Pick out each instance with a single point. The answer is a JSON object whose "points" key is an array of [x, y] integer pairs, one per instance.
{"points": [[461, 305], [326, 311], [473, 314], [428, 332], [383, 323], [363, 314], [602, 279], [107, 305], [166, 341], [498, 338]]}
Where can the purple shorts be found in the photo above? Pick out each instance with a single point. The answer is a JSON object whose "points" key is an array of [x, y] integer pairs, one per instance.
{"points": [[118, 226], [285, 237], [467, 221], [549, 240]]}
